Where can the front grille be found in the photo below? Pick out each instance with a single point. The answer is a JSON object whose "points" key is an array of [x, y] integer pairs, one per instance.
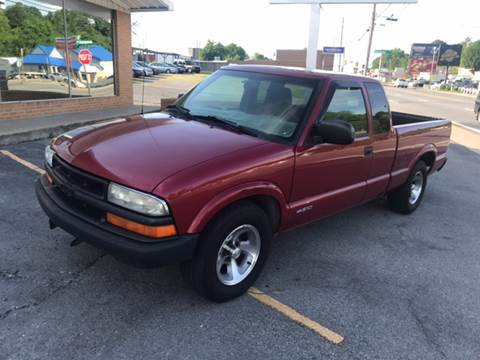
{"points": [[79, 179]]}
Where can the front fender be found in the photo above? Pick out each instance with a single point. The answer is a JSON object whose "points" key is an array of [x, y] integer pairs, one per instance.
{"points": [[239, 192]]}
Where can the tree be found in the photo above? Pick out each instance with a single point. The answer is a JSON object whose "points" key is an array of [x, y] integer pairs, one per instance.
{"points": [[217, 49], [212, 50], [235, 52], [6, 38], [396, 58], [439, 42], [471, 56], [258, 56], [19, 14]]}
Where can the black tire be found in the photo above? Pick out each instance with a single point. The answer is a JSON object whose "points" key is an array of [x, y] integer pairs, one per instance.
{"points": [[478, 115], [201, 271], [402, 200], [168, 71]]}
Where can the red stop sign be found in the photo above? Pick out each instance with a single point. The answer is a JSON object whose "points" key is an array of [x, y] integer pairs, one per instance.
{"points": [[85, 56]]}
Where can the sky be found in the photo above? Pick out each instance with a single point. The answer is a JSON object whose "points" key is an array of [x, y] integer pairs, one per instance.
{"points": [[260, 27]]}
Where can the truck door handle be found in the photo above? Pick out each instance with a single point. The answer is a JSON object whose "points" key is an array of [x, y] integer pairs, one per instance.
{"points": [[368, 150]]}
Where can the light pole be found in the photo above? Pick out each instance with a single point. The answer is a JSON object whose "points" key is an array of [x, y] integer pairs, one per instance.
{"points": [[434, 50]]}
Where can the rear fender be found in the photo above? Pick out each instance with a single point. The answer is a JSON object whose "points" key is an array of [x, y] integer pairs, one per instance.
{"points": [[429, 148], [230, 196]]}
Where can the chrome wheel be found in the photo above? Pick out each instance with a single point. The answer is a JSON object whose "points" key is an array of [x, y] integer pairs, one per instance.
{"points": [[416, 188], [238, 254]]}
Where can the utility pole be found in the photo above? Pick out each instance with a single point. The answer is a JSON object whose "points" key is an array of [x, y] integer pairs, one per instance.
{"points": [[372, 28], [340, 63]]}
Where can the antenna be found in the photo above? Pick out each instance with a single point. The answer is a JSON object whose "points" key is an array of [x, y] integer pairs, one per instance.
{"points": [[143, 79]]}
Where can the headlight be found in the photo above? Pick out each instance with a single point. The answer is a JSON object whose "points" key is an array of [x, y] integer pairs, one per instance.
{"points": [[49, 155], [137, 201]]}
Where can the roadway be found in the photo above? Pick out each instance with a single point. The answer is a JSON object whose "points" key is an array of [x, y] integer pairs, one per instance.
{"points": [[455, 107]]}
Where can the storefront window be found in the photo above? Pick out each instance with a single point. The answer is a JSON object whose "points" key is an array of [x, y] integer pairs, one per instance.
{"points": [[40, 44]]}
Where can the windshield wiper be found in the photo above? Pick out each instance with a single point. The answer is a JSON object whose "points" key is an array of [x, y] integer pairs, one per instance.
{"points": [[179, 109], [228, 123]]}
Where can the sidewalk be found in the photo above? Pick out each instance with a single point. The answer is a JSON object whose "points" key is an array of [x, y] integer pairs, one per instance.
{"points": [[16, 131]]}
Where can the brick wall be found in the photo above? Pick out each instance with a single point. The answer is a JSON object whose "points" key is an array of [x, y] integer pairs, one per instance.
{"points": [[123, 55], [298, 58]]}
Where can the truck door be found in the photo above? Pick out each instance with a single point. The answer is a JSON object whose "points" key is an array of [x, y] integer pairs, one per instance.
{"points": [[384, 141], [329, 178]]}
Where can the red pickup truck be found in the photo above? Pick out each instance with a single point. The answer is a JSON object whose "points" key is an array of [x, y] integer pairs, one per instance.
{"points": [[248, 153]]}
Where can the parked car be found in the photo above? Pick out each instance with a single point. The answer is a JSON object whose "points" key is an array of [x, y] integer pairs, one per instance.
{"points": [[154, 69], [209, 182], [400, 83], [181, 69], [137, 70], [142, 70], [422, 82], [160, 69], [190, 66], [166, 68], [57, 76], [437, 85]]}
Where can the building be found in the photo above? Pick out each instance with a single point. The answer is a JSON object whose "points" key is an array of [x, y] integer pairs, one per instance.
{"points": [[298, 58], [156, 56], [56, 88], [194, 53]]}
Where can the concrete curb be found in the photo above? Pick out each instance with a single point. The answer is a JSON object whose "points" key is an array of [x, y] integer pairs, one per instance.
{"points": [[466, 127], [53, 129], [42, 133]]}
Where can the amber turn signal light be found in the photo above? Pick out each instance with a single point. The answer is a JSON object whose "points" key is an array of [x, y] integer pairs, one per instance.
{"points": [[145, 230], [49, 179]]}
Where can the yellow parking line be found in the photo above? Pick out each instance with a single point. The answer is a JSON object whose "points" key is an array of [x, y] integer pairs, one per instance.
{"points": [[295, 316], [23, 162]]}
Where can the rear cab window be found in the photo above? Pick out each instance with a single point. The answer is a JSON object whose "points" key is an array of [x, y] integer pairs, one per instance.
{"points": [[380, 108], [348, 104]]}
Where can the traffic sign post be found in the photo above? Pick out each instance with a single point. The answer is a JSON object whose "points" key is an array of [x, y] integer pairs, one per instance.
{"points": [[86, 57], [315, 6], [334, 50]]}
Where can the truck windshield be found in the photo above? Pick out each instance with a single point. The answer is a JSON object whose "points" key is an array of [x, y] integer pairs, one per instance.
{"points": [[268, 104]]}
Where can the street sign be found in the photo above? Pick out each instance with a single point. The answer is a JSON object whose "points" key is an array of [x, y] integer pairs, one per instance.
{"points": [[85, 56], [84, 42], [71, 43], [333, 50]]}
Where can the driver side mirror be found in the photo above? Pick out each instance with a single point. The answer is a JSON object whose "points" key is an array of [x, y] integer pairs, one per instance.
{"points": [[338, 132]]}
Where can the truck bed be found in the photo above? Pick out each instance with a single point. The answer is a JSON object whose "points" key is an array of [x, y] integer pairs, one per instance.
{"points": [[399, 118], [416, 135]]}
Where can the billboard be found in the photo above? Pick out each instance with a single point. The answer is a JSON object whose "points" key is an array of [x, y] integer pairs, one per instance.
{"points": [[450, 55], [423, 50], [422, 58]]}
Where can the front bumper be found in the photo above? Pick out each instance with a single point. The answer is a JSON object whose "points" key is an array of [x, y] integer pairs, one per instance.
{"points": [[146, 253]]}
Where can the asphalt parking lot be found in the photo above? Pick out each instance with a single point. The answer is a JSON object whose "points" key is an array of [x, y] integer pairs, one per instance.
{"points": [[150, 90], [391, 286]]}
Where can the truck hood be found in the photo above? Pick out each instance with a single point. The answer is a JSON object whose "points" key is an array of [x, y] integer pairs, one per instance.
{"points": [[141, 151]]}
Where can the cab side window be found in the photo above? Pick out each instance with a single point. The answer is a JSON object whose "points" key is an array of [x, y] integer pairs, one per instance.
{"points": [[348, 104], [380, 109]]}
